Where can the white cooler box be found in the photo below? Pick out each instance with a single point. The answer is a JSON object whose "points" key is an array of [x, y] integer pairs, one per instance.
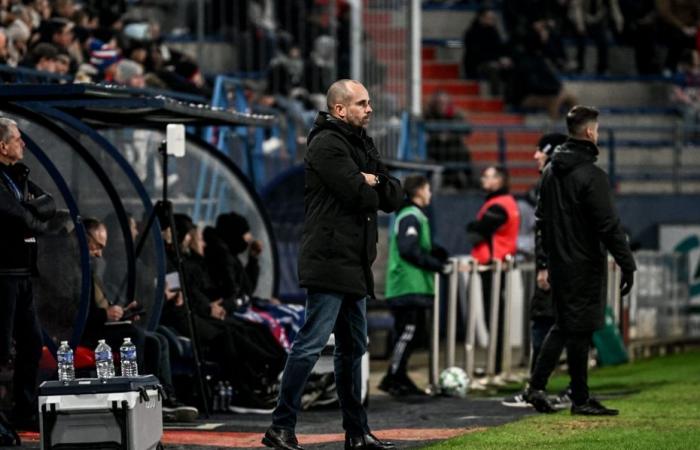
{"points": [[116, 413]]}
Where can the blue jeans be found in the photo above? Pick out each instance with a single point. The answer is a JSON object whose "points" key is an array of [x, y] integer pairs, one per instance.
{"points": [[326, 312]]}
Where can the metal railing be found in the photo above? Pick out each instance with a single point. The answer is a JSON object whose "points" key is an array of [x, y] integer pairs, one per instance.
{"points": [[656, 312], [628, 153]]}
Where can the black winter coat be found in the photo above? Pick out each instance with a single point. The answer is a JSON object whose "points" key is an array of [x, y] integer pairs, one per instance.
{"points": [[578, 222], [21, 220], [339, 241]]}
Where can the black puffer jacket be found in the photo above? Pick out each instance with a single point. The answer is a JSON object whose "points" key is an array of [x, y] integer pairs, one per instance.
{"points": [[21, 220], [578, 222], [339, 241]]}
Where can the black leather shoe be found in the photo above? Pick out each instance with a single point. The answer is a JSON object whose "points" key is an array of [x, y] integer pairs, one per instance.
{"points": [[283, 439], [367, 442]]}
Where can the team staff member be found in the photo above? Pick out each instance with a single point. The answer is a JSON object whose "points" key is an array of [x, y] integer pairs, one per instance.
{"points": [[494, 235], [578, 226], [541, 306], [24, 212], [413, 260], [346, 184]]}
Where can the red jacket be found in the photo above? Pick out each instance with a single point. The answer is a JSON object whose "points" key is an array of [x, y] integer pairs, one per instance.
{"points": [[504, 241]]}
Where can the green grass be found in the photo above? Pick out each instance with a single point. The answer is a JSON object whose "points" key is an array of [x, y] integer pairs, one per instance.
{"points": [[664, 413]]}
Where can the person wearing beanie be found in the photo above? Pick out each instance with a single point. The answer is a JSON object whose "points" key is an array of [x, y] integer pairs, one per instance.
{"points": [[541, 307], [413, 261]]}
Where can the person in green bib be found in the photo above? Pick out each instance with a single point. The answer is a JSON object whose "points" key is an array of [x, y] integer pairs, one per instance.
{"points": [[413, 261]]}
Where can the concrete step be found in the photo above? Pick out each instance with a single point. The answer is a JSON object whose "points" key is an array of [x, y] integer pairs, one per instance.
{"points": [[440, 71]]}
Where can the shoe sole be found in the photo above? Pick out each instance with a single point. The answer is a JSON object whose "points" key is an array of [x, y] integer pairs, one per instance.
{"points": [[543, 407], [267, 443], [517, 405]]}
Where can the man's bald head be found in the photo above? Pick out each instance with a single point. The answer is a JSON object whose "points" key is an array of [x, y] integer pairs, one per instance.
{"points": [[348, 100], [339, 93]]}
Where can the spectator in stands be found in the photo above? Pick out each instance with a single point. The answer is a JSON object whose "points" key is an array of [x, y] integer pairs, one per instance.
{"points": [[62, 64], [153, 351], [129, 73], [448, 146], [494, 235], [18, 34], [592, 20], [104, 56], [64, 8], [641, 33], [60, 33], [42, 57], [4, 47], [413, 261], [686, 96], [24, 212], [535, 82], [678, 28], [485, 50], [320, 67], [578, 225]]}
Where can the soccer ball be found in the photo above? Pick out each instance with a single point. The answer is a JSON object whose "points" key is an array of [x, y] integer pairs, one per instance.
{"points": [[454, 382]]}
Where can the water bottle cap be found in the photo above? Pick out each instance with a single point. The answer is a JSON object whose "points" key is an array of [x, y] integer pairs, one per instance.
{"points": [[127, 339], [64, 342], [101, 341]]}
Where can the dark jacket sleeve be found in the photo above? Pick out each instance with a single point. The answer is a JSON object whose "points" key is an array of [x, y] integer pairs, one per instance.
{"points": [[42, 204], [12, 209], [252, 273], [540, 252], [484, 228], [333, 164], [389, 190], [407, 239], [598, 202]]}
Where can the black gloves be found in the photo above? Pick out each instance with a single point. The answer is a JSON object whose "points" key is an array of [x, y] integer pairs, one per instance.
{"points": [[626, 283]]}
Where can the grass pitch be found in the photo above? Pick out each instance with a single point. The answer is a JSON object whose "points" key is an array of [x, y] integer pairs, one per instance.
{"points": [[661, 410]]}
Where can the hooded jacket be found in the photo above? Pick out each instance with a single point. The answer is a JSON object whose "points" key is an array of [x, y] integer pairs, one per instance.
{"points": [[339, 240], [578, 225]]}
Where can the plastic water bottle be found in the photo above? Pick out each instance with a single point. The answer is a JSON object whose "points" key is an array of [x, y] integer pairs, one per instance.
{"points": [[218, 398], [103, 360], [127, 353], [66, 371], [229, 395]]}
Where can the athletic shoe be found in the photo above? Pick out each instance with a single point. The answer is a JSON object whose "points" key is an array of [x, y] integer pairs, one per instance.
{"points": [[516, 401], [392, 386], [175, 411], [539, 400], [593, 407], [246, 402], [410, 386], [563, 400]]}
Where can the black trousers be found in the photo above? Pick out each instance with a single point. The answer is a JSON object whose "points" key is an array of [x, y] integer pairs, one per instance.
{"points": [[577, 345], [19, 321], [410, 333]]}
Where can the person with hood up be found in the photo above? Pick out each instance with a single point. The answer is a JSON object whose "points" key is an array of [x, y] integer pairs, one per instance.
{"points": [[346, 183], [578, 225]]}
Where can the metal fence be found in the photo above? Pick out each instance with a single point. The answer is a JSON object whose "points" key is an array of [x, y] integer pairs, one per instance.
{"points": [[656, 312]]}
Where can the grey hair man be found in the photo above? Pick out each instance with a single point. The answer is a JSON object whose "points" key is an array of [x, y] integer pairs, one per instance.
{"points": [[24, 212]]}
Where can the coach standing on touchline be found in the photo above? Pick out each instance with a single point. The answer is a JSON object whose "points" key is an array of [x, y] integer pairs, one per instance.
{"points": [[578, 225], [345, 185], [24, 211]]}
